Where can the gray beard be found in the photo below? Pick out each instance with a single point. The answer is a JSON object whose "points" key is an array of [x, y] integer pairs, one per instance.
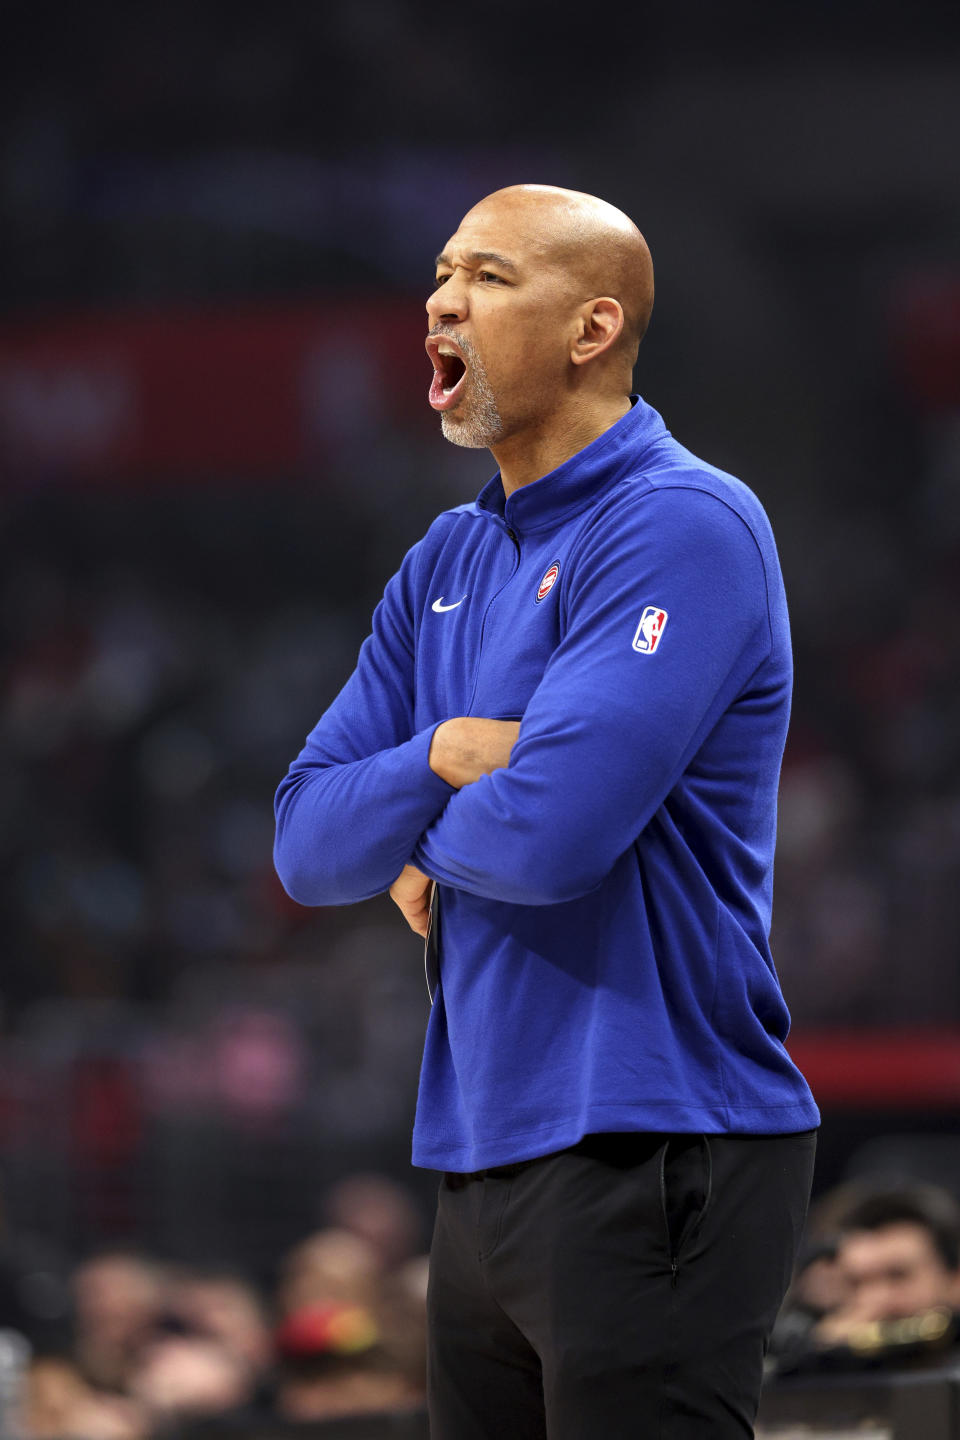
{"points": [[476, 422]]}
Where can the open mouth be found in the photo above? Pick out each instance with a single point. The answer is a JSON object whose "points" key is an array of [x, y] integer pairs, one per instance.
{"points": [[449, 373]]}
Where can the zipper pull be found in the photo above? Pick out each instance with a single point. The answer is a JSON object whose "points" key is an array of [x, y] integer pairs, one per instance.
{"points": [[674, 1272]]}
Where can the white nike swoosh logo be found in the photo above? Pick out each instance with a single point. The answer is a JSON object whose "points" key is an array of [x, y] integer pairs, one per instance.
{"points": [[439, 606]]}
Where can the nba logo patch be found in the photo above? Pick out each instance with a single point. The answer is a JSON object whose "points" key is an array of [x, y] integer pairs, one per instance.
{"points": [[651, 627], [548, 581]]}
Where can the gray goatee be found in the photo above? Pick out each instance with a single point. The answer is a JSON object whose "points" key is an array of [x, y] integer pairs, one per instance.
{"points": [[475, 423]]}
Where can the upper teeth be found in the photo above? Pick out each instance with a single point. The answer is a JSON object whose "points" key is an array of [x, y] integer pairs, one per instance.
{"points": [[446, 349]]}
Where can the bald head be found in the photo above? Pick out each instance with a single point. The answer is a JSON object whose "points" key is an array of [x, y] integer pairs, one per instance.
{"points": [[541, 298], [595, 243]]}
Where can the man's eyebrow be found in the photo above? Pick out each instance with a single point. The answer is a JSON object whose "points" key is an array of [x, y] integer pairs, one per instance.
{"points": [[481, 257]]}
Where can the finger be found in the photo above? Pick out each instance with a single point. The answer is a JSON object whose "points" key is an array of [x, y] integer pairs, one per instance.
{"points": [[415, 916], [418, 923]]}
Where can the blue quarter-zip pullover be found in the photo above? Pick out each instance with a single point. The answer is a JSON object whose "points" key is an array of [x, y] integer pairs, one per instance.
{"points": [[606, 898]]}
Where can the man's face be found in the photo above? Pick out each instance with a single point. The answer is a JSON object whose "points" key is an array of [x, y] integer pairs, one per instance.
{"points": [[894, 1272], [502, 321]]}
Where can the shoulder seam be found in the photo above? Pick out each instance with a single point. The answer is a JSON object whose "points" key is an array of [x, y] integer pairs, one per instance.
{"points": [[702, 490], [653, 489]]}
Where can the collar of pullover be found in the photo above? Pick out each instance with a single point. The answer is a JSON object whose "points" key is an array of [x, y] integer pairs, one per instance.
{"points": [[573, 484]]}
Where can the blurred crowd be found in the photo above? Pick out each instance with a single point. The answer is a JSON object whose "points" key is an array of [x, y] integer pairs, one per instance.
{"points": [[138, 1347], [130, 1347], [877, 1284]]}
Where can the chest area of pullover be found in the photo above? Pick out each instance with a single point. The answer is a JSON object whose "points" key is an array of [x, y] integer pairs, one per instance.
{"points": [[490, 616]]}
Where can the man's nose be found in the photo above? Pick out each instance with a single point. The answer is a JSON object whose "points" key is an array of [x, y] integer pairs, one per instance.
{"points": [[447, 303]]}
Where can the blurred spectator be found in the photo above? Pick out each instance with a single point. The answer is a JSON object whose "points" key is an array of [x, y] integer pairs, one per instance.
{"points": [[329, 1266], [820, 1286], [898, 1255], [884, 1289], [158, 1344], [118, 1297], [380, 1211], [352, 1333], [816, 1290], [186, 1376], [226, 1308], [332, 1363], [58, 1404]]}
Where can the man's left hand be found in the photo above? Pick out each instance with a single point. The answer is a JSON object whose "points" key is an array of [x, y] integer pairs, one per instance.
{"points": [[469, 746], [412, 892]]}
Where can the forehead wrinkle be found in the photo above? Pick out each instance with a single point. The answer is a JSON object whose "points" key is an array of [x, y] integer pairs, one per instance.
{"points": [[479, 257]]}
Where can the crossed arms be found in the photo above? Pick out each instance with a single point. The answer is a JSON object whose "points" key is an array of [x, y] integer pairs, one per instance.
{"points": [[461, 751], [537, 815]]}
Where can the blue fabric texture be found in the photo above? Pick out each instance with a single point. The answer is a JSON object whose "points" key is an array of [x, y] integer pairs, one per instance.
{"points": [[605, 900]]}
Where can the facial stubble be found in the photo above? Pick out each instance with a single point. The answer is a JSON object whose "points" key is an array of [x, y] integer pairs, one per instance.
{"points": [[475, 423]]}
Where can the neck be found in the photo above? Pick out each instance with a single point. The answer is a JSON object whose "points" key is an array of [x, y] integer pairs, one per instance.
{"points": [[534, 451]]}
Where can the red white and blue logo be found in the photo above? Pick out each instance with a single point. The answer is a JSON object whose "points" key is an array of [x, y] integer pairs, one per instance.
{"points": [[548, 581], [651, 627]]}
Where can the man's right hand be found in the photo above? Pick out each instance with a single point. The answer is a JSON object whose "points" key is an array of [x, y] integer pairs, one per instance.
{"points": [[412, 891], [469, 746]]}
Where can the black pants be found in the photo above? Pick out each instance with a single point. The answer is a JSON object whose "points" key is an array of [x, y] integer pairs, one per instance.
{"points": [[625, 1287]]}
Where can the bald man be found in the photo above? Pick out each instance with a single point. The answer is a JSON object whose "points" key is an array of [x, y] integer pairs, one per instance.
{"points": [[560, 752]]}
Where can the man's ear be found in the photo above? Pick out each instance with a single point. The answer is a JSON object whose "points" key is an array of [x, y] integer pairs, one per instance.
{"points": [[600, 325]]}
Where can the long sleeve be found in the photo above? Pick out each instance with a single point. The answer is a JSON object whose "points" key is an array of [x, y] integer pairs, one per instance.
{"points": [[354, 802], [613, 725]]}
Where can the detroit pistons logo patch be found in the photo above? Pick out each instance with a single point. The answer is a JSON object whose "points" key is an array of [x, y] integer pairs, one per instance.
{"points": [[548, 581], [651, 627]]}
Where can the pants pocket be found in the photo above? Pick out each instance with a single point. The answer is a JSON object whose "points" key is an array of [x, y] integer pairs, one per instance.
{"points": [[686, 1182], [494, 1195]]}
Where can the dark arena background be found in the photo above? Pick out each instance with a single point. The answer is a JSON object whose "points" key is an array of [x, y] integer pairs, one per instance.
{"points": [[217, 227]]}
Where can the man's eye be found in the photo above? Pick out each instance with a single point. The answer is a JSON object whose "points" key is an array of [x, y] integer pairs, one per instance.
{"points": [[440, 280], [489, 275]]}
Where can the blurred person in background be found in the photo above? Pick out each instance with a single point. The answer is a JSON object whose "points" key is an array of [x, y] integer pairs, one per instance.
{"points": [[59, 1404], [816, 1290], [560, 752], [878, 1281], [898, 1256], [224, 1307], [333, 1273], [178, 1342], [332, 1362], [330, 1265], [187, 1376], [118, 1297], [379, 1210]]}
